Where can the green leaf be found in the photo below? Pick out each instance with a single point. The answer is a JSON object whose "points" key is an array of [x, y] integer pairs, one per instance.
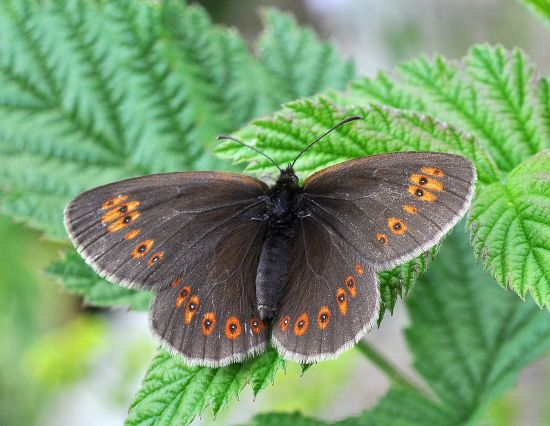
{"points": [[174, 393], [296, 63], [469, 339], [492, 94], [541, 8], [99, 91], [469, 342], [78, 278], [510, 222], [277, 419]]}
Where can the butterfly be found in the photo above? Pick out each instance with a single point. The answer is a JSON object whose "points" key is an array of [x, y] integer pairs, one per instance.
{"points": [[237, 264]]}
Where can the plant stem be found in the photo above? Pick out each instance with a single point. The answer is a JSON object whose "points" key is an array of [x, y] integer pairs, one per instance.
{"points": [[396, 377]]}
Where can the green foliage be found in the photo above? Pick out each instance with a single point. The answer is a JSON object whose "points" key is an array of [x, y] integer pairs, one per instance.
{"points": [[93, 92], [510, 222], [174, 393], [541, 8], [469, 340], [64, 356], [493, 94], [78, 278]]}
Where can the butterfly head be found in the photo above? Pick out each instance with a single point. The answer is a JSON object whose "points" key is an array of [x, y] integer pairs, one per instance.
{"points": [[288, 177]]}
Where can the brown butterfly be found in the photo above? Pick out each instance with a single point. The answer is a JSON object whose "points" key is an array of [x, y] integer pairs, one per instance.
{"points": [[236, 263]]}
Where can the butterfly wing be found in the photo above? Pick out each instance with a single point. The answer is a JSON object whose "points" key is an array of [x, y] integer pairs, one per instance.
{"points": [[392, 207], [331, 299], [194, 238], [360, 217]]}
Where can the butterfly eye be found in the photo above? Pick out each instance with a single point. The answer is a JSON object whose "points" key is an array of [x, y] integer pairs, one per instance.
{"points": [[208, 323], [142, 249], [426, 182], [421, 194], [256, 325], [382, 238], [157, 257], [182, 296], [285, 321], [323, 317], [301, 325], [232, 328], [342, 300], [397, 226], [350, 284], [191, 309]]}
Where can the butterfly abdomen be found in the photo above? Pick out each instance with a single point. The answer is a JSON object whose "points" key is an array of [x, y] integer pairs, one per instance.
{"points": [[274, 265]]}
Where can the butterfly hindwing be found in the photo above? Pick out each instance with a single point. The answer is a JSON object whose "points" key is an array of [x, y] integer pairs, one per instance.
{"points": [[392, 207], [331, 300], [209, 315], [202, 234]]}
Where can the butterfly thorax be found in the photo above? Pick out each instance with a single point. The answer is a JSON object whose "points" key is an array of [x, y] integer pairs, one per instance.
{"points": [[273, 267]]}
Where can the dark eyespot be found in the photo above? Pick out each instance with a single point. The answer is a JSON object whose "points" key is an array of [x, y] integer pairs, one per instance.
{"points": [[324, 317], [286, 320], [192, 306], [123, 209], [341, 298], [233, 328], [255, 324], [207, 323], [155, 259], [127, 219], [423, 181], [419, 192], [301, 324], [142, 248], [397, 226]]}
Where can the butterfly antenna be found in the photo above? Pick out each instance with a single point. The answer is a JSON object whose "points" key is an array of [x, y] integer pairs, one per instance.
{"points": [[347, 120], [231, 138]]}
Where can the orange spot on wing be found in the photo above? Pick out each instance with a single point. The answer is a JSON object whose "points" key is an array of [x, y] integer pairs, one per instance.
{"points": [[350, 284], [142, 249], [232, 328], [123, 222], [257, 325], [119, 211], [284, 323], [397, 226], [132, 234], [301, 324], [183, 294], [323, 317], [208, 323], [410, 209], [342, 300], [426, 182], [191, 308], [381, 238], [432, 171], [359, 270], [119, 199], [421, 194], [175, 282], [155, 258]]}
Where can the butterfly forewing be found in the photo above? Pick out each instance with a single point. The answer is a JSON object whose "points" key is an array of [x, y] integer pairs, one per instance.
{"points": [[391, 207], [195, 238]]}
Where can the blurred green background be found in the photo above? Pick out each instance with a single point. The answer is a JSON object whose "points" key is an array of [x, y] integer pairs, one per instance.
{"points": [[57, 361]]}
